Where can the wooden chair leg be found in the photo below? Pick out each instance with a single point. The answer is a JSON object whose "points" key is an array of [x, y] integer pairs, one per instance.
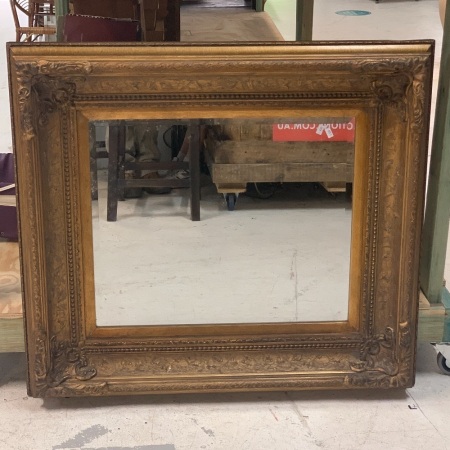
{"points": [[93, 160], [122, 138], [194, 169], [113, 173], [116, 169]]}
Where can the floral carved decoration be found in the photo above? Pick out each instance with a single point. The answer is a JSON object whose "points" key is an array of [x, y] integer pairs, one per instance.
{"points": [[44, 79], [384, 360], [67, 363]]}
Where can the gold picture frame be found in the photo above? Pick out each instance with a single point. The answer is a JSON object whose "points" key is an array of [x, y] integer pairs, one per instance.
{"points": [[56, 90]]}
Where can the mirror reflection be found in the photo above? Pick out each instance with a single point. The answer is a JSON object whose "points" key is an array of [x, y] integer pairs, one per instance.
{"points": [[270, 237]]}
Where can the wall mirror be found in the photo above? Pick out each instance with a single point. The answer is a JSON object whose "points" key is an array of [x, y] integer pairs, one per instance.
{"points": [[282, 225], [305, 183]]}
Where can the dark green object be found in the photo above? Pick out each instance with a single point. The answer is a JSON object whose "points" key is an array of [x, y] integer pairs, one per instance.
{"points": [[437, 213]]}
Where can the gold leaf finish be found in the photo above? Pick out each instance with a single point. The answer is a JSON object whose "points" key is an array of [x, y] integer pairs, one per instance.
{"points": [[58, 89]]}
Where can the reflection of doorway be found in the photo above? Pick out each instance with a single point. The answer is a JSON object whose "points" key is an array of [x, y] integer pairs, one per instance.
{"points": [[225, 21]]}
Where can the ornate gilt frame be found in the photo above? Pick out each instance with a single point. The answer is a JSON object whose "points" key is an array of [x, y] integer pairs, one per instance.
{"points": [[57, 89]]}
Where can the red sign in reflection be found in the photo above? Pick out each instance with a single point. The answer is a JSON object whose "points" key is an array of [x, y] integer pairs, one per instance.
{"points": [[311, 132]]}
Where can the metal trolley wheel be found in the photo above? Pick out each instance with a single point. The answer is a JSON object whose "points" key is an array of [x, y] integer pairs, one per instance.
{"points": [[442, 364], [231, 201]]}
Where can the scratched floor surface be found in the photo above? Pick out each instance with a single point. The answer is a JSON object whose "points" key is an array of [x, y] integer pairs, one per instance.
{"points": [[414, 419]]}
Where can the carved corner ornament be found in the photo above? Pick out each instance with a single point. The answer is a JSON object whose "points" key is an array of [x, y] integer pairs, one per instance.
{"points": [[54, 85], [384, 360], [393, 82], [65, 363]]}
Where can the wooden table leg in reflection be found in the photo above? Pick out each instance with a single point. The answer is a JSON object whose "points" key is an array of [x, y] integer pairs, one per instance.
{"points": [[304, 20], [116, 145], [117, 166], [194, 169], [173, 21], [61, 10]]}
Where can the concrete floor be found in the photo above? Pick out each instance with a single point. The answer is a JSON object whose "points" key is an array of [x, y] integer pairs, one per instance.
{"points": [[413, 419], [284, 233]]}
